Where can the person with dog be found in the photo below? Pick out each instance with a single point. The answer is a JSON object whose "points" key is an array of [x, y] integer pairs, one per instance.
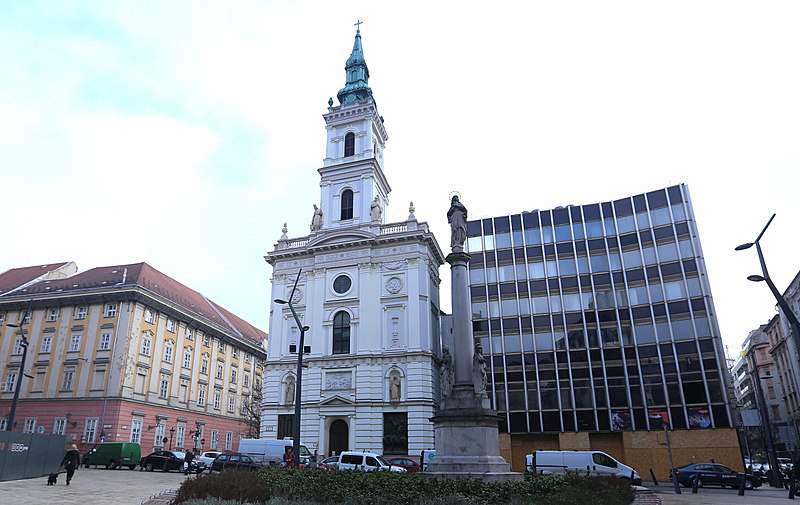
{"points": [[71, 461]]}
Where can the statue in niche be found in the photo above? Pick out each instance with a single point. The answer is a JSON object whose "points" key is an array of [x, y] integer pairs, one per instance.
{"points": [[479, 370], [290, 391], [446, 372], [375, 210], [395, 386], [316, 219], [457, 217]]}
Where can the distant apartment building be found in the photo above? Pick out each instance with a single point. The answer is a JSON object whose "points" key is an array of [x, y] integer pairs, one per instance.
{"points": [[125, 353], [756, 363]]}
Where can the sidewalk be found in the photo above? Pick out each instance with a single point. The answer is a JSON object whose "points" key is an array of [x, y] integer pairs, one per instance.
{"points": [[709, 496]]}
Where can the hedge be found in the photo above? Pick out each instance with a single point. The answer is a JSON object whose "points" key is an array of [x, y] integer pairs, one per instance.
{"points": [[326, 487]]}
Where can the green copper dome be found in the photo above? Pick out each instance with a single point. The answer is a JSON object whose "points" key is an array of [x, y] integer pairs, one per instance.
{"points": [[356, 88]]}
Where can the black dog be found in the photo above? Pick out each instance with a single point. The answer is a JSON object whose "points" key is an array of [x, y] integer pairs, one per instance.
{"points": [[52, 479]]}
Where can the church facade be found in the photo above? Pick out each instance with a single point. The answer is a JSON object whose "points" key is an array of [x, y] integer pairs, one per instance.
{"points": [[368, 291]]}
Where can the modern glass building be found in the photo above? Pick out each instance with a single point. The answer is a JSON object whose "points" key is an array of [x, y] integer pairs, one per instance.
{"points": [[599, 318]]}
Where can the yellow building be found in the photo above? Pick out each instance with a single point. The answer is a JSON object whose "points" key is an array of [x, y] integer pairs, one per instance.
{"points": [[125, 353]]}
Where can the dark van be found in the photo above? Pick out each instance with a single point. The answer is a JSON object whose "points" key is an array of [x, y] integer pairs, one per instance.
{"points": [[114, 455]]}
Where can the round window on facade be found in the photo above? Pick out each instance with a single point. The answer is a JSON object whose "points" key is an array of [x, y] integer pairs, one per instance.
{"points": [[342, 284]]}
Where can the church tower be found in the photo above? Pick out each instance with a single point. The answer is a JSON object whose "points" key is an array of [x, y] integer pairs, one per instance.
{"points": [[352, 175], [368, 291]]}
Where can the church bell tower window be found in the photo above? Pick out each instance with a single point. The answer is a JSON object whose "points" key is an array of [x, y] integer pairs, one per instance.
{"points": [[349, 144], [347, 204]]}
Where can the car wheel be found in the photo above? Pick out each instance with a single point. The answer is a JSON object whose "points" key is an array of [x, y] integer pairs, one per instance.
{"points": [[149, 467], [86, 465], [111, 465]]}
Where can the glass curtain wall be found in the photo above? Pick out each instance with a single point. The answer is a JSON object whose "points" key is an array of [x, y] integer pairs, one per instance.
{"points": [[598, 317]]}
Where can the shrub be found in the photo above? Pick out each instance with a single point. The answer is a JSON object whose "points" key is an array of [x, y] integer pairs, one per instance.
{"points": [[277, 486], [238, 486]]}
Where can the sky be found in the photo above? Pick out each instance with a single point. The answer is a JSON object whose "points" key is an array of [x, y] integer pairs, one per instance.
{"points": [[184, 134]]}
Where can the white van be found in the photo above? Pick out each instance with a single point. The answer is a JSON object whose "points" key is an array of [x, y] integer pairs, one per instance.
{"points": [[584, 462], [270, 452], [366, 462]]}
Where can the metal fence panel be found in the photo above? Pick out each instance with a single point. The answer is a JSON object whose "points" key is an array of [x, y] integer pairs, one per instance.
{"points": [[28, 455]]}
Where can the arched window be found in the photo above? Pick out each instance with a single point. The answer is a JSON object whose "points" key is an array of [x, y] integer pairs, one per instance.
{"points": [[341, 333], [349, 144], [347, 204]]}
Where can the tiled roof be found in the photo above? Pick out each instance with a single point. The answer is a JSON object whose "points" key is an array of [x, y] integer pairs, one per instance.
{"points": [[16, 277], [147, 277]]}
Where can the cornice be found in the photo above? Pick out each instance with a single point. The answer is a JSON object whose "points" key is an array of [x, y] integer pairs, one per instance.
{"points": [[133, 293]]}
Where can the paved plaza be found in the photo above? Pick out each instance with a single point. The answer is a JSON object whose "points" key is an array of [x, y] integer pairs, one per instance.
{"points": [[91, 487]]}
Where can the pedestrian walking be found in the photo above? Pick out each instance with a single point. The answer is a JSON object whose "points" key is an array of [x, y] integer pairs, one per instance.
{"points": [[187, 462], [71, 461], [288, 457]]}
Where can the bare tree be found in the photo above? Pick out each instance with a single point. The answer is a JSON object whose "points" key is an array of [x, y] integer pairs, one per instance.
{"points": [[252, 411]]}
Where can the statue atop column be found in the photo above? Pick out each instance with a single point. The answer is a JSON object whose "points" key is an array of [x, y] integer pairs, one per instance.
{"points": [[316, 219], [457, 217]]}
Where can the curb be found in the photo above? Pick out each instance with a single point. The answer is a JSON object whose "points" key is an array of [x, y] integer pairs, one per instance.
{"points": [[165, 498], [644, 496]]}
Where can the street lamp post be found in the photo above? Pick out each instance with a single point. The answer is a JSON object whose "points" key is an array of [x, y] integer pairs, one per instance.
{"points": [[299, 377], [24, 342], [782, 303], [793, 322]]}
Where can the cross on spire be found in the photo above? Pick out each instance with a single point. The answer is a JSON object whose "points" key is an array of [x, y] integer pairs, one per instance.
{"points": [[358, 24]]}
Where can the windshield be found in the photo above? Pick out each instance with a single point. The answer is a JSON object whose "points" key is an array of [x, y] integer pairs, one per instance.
{"points": [[304, 452], [179, 454], [383, 461]]}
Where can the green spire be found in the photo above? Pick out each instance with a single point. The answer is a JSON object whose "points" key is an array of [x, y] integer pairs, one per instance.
{"points": [[356, 88]]}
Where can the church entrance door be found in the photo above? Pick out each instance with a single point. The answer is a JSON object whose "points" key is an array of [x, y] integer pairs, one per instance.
{"points": [[338, 437]]}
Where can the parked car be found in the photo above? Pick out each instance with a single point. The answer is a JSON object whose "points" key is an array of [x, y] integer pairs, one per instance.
{"points": [[331, 463], [594, 462], [366, 462], [713, 474], [167, 461], [236, 461], [208, 457], [409, 464], [113, 455], [270, 451]]}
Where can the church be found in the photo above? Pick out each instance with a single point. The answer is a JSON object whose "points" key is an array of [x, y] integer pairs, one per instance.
{"points": [[369, 292]]}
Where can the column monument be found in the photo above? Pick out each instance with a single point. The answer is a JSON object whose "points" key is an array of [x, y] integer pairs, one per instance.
{"points": [[465, 426]]}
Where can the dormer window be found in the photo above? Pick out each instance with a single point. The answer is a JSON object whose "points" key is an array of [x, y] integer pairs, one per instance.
{"points": [[347, 204], [349, 144]]}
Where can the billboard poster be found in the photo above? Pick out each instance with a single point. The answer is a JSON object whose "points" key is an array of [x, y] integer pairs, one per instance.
{"points": [[658, 418], [620, 420], [699, 417]]}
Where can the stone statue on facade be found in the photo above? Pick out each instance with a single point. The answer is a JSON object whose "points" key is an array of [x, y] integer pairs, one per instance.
{"points": [[479, 370], [375, 210], [316, 219], [446, 372], [457, 217], [290, 391], [394, 388]]}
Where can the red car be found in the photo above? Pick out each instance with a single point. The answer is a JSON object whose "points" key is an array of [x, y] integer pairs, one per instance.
{"points": [[407, 463]]}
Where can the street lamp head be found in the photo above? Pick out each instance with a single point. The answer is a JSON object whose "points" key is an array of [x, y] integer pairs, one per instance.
{"points": [[306, 328], [280, 301], [742, 247], [755, 278], [12, 325]]}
